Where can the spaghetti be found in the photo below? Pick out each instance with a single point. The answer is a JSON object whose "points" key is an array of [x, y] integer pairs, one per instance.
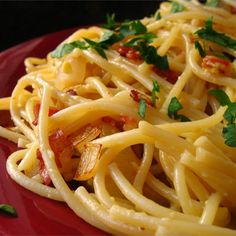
{"points": [[140, 117]]}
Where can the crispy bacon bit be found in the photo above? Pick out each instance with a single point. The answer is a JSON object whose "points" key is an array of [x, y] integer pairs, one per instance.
{"points": [[110, 120], [129, 52], [137, 96], [233, 10], [43, 170], [217, 65], [88, 161], [85, 135], [52, 111], [129, 122], [62, 148], [170, 75]]}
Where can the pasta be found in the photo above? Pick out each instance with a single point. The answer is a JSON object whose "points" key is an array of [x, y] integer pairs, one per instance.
{"points": [[133, 124]]}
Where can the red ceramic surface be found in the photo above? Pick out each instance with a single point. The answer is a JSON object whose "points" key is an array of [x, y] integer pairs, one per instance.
{"points": [[36, 215]]}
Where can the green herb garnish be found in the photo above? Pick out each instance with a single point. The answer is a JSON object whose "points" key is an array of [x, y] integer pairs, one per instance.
{"points": [[140, 42], [209, 34], [150, 56], [111, 23], [221, 96], [105, 42], [147, 38], [212, 3], [176, 7], [155, 89], [8, 209], [200, 49], [98, 46], [142, 108], [147, 52], [132, 28], [67, 48], [229, 132], [173, 109], [158, 16]]}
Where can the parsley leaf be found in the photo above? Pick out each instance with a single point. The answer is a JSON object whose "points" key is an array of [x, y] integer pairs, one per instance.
{"points": [[223, 99], [229, 134], [155, 89], [142, 108], [209, 34], [158, 16], [221, 96], [147, 38], [109, 38], [66, 48], [150, 56], [230, 113], [8, 209], [200, 49], [111, 23], [173, 109], [132, 27], [97, 46], [176, 7], [212, 3]]}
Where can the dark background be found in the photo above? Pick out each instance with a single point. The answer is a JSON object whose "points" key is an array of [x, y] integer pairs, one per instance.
{"points": [[24, 20]]}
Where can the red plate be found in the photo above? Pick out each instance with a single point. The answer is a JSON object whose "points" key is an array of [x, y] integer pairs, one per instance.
{"points": [[36, 215]]}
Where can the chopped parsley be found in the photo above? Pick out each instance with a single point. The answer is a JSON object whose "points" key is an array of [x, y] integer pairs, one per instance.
{"points": [[8, 209], [132, 28], [147, 38], [176, 7], [221, 96], [111, 23], [212, 3], [142, 108], [155, 89], [67, 48], [200, 49], [173, 109], [105, 42], [98, 46], [230, 113], [209, 34], [117, 32], [158, 16], [229, 132], [150, 56]]}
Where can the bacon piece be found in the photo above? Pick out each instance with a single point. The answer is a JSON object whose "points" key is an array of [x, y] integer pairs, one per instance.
{"points": [[170, 75], [43, 170], [217, 65], [137, 96], [129, 52], [62, 148], [52, 111]]}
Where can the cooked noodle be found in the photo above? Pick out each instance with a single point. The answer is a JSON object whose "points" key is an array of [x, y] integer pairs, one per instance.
{"points": [[89, 118]]}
